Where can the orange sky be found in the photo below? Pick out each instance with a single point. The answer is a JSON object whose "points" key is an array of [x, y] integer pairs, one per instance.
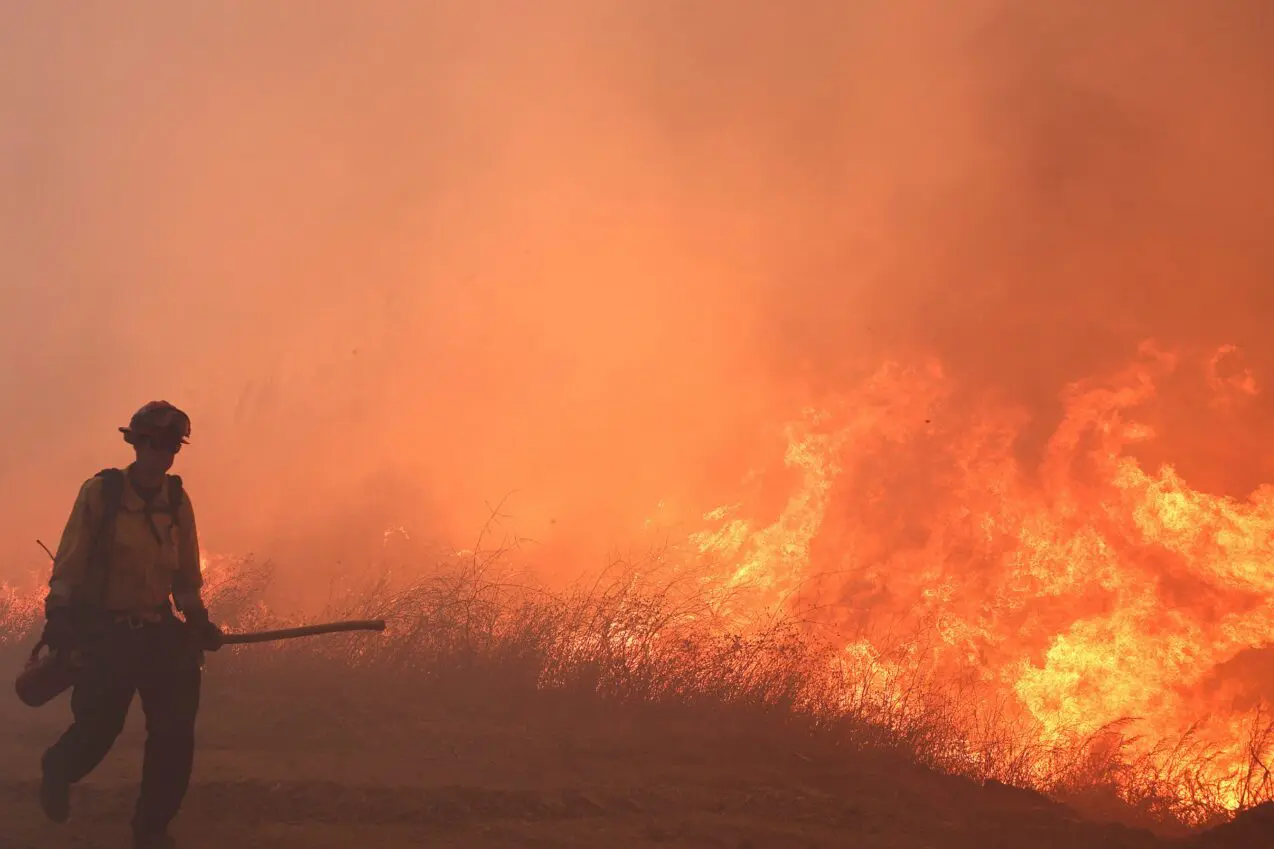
{"points": [[397, 263]]}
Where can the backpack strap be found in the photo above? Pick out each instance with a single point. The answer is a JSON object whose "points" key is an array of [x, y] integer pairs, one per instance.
{"points": [[175, 494], [103, 540]]}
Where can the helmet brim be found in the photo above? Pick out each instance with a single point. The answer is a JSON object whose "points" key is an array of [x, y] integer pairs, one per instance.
{"points": [[128, 431]]}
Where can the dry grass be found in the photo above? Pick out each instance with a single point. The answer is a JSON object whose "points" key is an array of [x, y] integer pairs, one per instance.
{"points": [[642, 636]]}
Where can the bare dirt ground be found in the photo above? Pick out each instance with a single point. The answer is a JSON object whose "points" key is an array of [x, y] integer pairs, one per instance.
{"points": [[294, 763]]}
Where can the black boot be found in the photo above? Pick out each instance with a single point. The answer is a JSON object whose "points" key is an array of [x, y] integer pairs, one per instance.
{"points": [[55, 797]]}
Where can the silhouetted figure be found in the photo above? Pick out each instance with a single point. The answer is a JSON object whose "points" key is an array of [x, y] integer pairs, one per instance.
{"points": [[129, 550]]}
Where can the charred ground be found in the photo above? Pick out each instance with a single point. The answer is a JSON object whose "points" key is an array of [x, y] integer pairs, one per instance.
{"points": [[309, 757], [455, 731]]}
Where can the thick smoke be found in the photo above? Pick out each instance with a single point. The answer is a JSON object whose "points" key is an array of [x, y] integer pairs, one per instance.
{"points": [[399, 262]]}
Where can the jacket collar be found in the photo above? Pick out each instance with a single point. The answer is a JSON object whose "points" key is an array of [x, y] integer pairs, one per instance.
{"points": [[133, 502]]}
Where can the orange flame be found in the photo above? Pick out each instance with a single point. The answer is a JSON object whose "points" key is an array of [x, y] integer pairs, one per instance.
{"points": [[1082, 592], [1088, 592]]}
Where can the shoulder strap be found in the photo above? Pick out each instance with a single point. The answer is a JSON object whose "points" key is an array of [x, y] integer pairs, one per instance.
{"points": [[175, 494], [103, 541], [112, 495]]}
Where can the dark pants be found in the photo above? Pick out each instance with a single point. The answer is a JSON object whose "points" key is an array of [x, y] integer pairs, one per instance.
{"points": [[159, 663]]}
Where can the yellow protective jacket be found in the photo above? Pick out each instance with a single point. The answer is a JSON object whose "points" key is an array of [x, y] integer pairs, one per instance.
{"points": [[150, 559]]}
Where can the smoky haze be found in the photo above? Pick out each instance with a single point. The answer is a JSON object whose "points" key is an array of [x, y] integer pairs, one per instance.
{"points": [[400, 262]]}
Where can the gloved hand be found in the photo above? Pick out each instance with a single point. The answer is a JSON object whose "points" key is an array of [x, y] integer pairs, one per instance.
{"points": [[59, 630], [207, 635]]}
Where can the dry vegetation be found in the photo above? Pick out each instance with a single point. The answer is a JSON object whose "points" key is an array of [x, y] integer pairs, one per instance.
{"points": [[637, 637], [639, 642]]}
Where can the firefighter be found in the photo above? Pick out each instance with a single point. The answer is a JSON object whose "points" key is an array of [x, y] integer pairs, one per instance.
{"points": [[128, 553]]}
